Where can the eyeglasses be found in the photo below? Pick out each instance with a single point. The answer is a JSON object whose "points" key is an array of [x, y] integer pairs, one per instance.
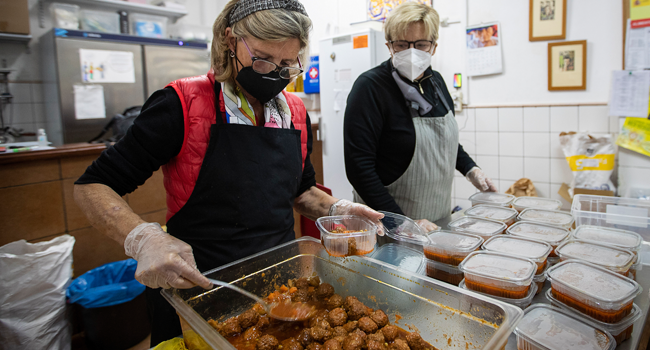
{"points": [[401, 45], [264, 67]]}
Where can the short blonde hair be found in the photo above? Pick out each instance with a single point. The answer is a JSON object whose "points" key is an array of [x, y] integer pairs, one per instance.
{"points": [[399, 19], [266, 25]]}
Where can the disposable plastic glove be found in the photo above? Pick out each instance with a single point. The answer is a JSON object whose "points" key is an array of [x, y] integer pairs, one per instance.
{"points": [[478, 178], [345, 207], [163, 260], [427, 225]]}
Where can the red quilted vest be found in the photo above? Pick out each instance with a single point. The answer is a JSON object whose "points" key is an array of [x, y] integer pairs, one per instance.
{"points": [[197, 98]]}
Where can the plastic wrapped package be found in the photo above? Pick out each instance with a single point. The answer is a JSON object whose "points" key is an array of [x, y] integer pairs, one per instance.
{"points": [[536, 251], [522, 203], [148, 26], [100, 21], [481, 227], [492, 198], [612, 258], [593, 290], [614, 237], [520, 303], [444, 272], [347, 235], [552, 235], [498, 274], [451, 248], [591, 159], [549, 217], [502, 214], [547, 328], [64, 16]]}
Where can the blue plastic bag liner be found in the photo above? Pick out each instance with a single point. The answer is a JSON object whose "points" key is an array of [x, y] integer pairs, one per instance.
{"points": [[110, 284]]}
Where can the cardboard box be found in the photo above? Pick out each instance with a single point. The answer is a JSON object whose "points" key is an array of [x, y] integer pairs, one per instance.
{"points": [[14, 16], [564, 192]]}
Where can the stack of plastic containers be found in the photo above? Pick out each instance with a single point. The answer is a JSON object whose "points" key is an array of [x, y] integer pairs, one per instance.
{"points": [[552, 235], [504, 277], [612, 258], [445, 251], [522, 203], [492, 198], [548, 217], [590, 290], [536, 251], [502, 214], [347, 235], [480, 227]]}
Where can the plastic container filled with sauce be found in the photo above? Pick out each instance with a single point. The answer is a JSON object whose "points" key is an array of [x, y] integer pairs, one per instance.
{"points": [[612, 258], [492, 198], [621, 331], [547, 328], [548, 217], [502, 214], [451, 248], [610, 236], [480, 227], [444, 272], [522, 203], [498, 274], [520, 303], [399, 255], [593, 290], [552, 235], [638, 265], [536, 251], [347, 235]]}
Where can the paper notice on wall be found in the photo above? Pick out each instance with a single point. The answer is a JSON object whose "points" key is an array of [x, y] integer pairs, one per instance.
{"points": [[104, 66], [637, 48], [630, 94], [484, 55], [89, 102]]}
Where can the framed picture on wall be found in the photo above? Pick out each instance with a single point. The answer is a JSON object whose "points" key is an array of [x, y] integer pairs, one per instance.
{"points": [[567, 65], [547, 20]]}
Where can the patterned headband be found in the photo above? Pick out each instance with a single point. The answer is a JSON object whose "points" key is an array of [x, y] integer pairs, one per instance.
{"points": [[247, 7]]}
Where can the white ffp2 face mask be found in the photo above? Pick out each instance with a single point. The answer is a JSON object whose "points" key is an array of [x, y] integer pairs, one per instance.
{"points": [[411, 63]]}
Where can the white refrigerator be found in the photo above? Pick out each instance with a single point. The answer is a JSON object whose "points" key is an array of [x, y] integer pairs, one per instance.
{"points": [[342, 59]]}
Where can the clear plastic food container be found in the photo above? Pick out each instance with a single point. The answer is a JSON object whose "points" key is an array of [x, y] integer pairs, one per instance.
{"points": [[403, 229], [100, 21], [534, 250], [498, 274], [612, 258], [638, 265], [552, 235], [502, 214], [444, 272], [492, 198], [347, 235], [521, 203], [547, 328], [611, 236], [548, 217], [593, 290], [399, 255], [621, 331], [480, 227], [520, 303], [451, 248], [539, 279]]}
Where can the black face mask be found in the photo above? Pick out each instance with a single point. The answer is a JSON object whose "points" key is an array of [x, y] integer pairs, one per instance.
{"points": [[263, 87]]}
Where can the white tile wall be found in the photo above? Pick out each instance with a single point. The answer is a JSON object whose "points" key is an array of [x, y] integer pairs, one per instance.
{"points": [[466, 120], [511, 119], [537, 119], [468, 140], [593, 119], [511, 168], [489, 164], [511, 144], [537, 169], [487, 119], [560, 171], [564, 119], [543, 189], [487, 143], [556, 148], [537, 144]]}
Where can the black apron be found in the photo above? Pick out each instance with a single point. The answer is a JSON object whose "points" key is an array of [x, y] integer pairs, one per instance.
{"points": [[242, 203]]}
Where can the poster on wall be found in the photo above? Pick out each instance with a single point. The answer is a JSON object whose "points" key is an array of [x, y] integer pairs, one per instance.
{"points": [[379, 9], [567, 65], [484, 55], [637, 47], [105, 66], [630, 93], [640, 13], [547, 20]]}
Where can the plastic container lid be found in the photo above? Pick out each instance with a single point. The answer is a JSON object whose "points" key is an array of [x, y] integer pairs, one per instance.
{"points": [[620, 238], [612, 258], [491, 212], [552, 235], [598, 287], [399, 255], [480, 227], [492, 198], [522, 203], [359, 242], [402, 228], [536, 251], [549, 217], [521, 303], [546, 328], [499, 267]]}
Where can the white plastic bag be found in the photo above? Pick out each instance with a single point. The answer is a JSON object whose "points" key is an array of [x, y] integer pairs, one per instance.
{"points": [[33, 280], [591, 159]]}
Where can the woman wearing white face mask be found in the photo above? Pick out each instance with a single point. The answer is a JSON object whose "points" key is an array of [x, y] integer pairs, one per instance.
{"points": [[401, 136]]}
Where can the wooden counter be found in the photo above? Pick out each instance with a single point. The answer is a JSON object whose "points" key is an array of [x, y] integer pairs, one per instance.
{"points": [[37, 202]]}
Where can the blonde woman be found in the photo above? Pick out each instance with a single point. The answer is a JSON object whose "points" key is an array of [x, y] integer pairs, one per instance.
{"points": [[400, 133], [234, 149]]}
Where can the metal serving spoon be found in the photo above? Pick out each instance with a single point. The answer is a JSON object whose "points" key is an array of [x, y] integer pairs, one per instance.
{"points": [[284, 310]]}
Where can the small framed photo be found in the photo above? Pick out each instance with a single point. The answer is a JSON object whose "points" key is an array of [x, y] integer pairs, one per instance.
{"points": [[547, 20], [567, 65]]}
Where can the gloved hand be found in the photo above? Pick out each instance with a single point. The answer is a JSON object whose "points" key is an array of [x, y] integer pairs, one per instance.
{"points": [[478, 178], [427, 225], [163, 260], [345, 207]]}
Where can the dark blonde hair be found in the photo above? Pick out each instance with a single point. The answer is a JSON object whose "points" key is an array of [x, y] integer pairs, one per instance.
{"points": [[398, 20]]}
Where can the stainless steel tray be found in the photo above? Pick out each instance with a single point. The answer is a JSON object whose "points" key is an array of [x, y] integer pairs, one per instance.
{"points": [[446, 316]]}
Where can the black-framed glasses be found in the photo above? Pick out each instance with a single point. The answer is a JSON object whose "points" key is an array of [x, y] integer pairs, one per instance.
{"points": [[401, 45], [265, 67]]}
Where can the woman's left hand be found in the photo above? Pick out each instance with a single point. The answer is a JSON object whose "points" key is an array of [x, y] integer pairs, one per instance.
{"points": [[345, 207], [481, 181]]}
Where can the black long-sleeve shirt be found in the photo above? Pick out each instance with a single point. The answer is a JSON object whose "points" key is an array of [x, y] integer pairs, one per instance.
{"points": [[154, 139], [379, 136]]}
